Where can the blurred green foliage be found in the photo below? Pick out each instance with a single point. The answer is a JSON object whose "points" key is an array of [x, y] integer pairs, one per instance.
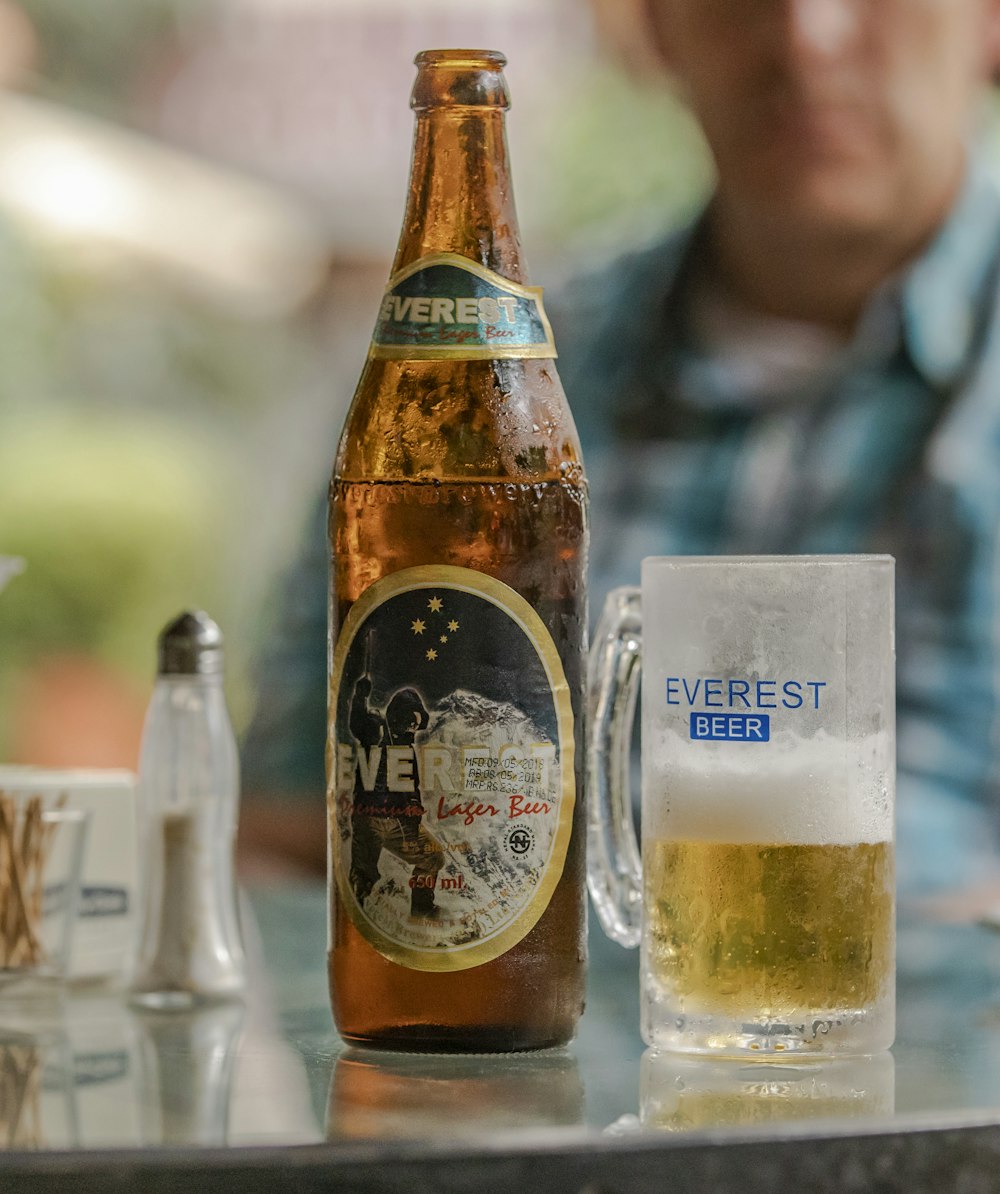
{"points": [[128, 403], [109, 510], [87, 327], [127, 409], [627, 160], [93, 52]]}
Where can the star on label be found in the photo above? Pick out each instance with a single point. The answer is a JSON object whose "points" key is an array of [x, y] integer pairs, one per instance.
{"points": [[434, 605], [443, 638], [432, 654], [453, 625], [418, 627]]}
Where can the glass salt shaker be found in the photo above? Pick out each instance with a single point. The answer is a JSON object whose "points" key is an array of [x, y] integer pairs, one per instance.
{"points": [[190, 949]]}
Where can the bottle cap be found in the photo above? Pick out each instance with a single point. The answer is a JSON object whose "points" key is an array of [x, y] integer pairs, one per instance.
{"points": [[190, 645]]}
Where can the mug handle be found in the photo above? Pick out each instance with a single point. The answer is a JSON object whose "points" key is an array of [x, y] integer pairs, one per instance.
{"points": [[614, 866]]}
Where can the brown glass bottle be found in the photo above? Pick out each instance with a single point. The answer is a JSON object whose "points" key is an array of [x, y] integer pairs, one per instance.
{"points": [[463, 457]]}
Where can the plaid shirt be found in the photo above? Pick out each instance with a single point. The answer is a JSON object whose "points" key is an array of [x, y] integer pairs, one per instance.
{"points": [[895, 448]]}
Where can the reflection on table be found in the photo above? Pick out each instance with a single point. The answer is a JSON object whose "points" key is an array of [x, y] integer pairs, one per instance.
{"points": [[413, 1096], [68, 1071], [184, 1073], [679, 1094], [85, 1069], [82, 1069], [22, 1067]]}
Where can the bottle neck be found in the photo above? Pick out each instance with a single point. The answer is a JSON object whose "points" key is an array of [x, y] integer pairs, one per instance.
{"points": [[460, 196]]}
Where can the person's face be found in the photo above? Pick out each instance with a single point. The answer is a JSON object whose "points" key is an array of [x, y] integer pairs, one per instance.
{"points": [[841, 114]]}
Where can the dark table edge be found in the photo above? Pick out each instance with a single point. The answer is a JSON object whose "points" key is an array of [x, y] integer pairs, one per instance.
{"points": [[913, 1155]]}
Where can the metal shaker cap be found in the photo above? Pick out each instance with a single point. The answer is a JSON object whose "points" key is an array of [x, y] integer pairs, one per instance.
{"points": [[190, 645]]}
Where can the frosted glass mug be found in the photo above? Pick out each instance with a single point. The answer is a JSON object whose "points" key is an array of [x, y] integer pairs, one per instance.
{"points": [[764, 898]]}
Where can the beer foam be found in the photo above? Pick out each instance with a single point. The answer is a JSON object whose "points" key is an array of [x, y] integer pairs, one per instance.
{"points": [[818, 790]]}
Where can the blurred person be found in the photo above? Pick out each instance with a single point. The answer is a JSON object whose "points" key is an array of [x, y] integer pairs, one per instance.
{"points": [[813, 366]]}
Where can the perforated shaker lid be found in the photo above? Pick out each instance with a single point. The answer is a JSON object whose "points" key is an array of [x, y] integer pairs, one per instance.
{"points": [[190, 645]]}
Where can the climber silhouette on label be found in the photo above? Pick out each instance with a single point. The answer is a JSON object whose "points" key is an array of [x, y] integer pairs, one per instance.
{"points": [[384, 819]]}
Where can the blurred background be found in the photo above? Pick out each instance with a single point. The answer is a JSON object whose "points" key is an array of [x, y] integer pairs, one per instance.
{"points": [[199, 202]]}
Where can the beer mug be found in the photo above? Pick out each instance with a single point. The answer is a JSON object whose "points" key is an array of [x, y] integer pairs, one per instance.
{"points": [[764, 899]]}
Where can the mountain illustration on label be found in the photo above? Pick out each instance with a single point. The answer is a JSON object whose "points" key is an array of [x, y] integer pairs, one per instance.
{"points": [[447, 306], [452, 787]]}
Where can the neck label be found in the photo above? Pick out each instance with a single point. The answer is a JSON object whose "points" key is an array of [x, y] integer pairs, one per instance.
{"points": [[446, 306]]}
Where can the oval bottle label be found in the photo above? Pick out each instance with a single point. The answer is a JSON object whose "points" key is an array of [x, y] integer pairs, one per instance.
{"points": [[448, 306], [450, 760]]}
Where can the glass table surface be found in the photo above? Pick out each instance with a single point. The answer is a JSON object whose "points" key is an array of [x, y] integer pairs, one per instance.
{"points": [[265, 1089]]}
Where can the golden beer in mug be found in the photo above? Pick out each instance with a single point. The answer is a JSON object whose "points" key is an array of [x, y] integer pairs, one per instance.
{"points": [[779, 931]]}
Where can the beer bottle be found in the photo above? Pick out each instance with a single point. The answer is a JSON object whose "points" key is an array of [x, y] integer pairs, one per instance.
{"points": [[458, 532]]}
